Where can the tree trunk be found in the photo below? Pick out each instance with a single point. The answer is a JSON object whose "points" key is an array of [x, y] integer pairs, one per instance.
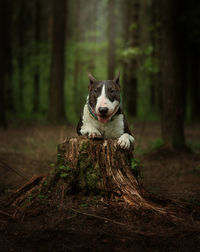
{"points": [[195, 83], [21, 55], [130, 67], [56, 106], [5, 56], [36, 96], [111, 39], [155, 90], [172, 90]]}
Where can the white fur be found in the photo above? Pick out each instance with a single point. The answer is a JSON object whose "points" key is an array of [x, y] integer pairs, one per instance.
{"points": [[113, 129], [125, 141], [103, 101]]}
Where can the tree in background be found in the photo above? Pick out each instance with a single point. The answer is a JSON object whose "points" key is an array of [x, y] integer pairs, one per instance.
{"points": [[111, 39], [191, 32], [5, 60], [37, 36], [131, 36], [22, 39], [95, 43], [56, 90], [172, 89], [155, 88]]}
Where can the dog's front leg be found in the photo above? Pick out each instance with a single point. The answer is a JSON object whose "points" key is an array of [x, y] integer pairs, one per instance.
{"points": [[125, 141], [91, 132]]}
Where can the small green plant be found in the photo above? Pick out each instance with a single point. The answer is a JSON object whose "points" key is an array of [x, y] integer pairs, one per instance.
{"points": [[197, 169], [135, 166], [41, 197], [84, 205], [45, 183], [61, 167], [64, 175], [157, 144], [64, 167], [29, 198]]}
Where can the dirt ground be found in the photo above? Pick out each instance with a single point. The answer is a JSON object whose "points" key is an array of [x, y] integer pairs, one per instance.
{"points": [[91, 223]]}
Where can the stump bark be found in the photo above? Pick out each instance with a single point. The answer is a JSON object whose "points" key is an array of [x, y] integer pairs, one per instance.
{"points": [[99, 166], [87, 167]]}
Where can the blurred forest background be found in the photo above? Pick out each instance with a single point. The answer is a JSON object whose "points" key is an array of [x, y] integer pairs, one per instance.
{"points": [[48, 47]]}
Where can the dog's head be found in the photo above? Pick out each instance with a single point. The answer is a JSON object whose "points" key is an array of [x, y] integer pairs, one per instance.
{"points": [[104, 98]]}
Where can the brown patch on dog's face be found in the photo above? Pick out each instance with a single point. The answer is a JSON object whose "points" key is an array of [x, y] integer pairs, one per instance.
{"points": [[112, 89], [94, 92]]}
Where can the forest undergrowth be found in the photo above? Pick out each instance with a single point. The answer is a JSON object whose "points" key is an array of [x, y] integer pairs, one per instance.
{"points": [[81, 223]]}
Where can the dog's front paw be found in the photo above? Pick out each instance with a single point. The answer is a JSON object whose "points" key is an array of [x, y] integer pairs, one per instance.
{"points": [[95, 134], [125, 141], [90, 132]]}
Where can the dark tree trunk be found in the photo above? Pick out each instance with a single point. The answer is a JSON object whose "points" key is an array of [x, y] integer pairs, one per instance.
{"points": [[195, 83], [9, 96], [155, 90], [56, 92], [172, 90], [111, 39], [77, 63], [5, 49], [22, 31], [130, 68], [36, 96]]}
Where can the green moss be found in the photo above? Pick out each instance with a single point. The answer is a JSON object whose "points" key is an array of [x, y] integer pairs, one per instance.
{"points": [[92, 179], [135, 167], [88, 172], [84, 146], [64, 175]]}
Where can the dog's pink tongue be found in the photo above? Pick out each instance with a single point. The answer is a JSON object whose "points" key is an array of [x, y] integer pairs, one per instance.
{"points": [[103, 119]]}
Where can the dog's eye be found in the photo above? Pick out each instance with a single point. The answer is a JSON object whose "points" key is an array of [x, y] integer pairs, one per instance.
{"points": [[96, 90], [112, 91]]}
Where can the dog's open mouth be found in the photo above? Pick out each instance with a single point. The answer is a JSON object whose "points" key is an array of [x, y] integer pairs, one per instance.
{"points": [[104, 119], [107, 118]]}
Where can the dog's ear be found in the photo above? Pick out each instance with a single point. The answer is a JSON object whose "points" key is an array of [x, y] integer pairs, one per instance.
{"points": [[91, 78], [116, 79]]}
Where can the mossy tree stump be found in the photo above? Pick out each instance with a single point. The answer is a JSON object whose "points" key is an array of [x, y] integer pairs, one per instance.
{"points": [[90, 167], [99, 166]]}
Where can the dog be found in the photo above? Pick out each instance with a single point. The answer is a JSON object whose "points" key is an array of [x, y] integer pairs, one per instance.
{"points": [[102, 116]]}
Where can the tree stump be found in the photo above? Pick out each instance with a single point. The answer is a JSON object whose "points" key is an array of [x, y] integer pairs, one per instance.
{"points": [[87, 167], [99, 166]]}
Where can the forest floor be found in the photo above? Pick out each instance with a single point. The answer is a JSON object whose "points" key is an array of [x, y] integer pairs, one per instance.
{"points": [[94, 224]]}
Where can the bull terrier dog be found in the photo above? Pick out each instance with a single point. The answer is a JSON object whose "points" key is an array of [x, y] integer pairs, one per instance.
{"points": [[102, 116]]}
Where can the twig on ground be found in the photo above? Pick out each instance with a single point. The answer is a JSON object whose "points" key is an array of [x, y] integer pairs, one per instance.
{"points": [[6, 214]]}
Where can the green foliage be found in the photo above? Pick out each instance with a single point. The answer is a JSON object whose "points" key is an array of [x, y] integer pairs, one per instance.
{"points": [[45, 183], [151, 65], [64, 175], [42, 197], [61, 167], [197, 170], [194, 146], [133, 27], [136, 168], [131, 52], [157, 144], [84, 205]]}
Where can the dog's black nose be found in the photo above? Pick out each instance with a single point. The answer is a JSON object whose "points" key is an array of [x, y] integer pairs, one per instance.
{"points": [[103, 110]]}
